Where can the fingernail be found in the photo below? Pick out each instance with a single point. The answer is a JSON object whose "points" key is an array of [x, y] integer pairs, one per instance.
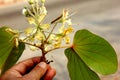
{"points": [[42, 65]]}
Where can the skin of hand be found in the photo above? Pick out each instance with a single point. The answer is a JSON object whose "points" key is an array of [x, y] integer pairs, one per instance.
{"points": [[30, 69]]}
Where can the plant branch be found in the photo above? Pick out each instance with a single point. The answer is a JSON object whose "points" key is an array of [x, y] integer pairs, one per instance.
{"points": [[57, 48], [51, 32], [43, 52], [44, 34], [31, 13], [33, 7], [30, 44], [31, 35]]}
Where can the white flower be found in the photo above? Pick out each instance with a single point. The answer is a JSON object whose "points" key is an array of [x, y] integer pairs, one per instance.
{"points": [[42, 14], [43, 10], [64, 15], [24, 11], [61, 29], [69, 22]]}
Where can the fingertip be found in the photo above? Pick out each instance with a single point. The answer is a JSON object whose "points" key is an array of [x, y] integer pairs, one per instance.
{"points": [[42, 65], [53, 71], [50, 74]]}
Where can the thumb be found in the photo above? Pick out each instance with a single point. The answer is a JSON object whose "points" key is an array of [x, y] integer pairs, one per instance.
{"points": [[37, 72]]}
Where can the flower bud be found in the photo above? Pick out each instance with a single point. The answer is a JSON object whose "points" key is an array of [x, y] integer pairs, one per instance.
{"points": [[29, 30], [31, 2], [45, 26], [69, 30], [39, 36], [24, 11], [16, 42], [9, 30], [61, 29], [31, 20], [42, 1], [67, 40], [69, 22]]}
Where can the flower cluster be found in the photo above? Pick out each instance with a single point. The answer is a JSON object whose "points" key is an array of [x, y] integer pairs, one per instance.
{"points": [[43, 34], [36, 13], [63, 31]]}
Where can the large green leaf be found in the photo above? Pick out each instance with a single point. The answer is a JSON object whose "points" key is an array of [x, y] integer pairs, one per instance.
{"points": [[96, 52], [6, 45], [13, 57], [9, 53], [78, 70]]}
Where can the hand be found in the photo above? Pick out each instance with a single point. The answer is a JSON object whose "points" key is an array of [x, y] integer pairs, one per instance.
{"points": [[30, 69]]}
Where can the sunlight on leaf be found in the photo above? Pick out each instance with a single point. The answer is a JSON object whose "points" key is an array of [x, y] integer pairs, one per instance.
{"points": [[96, 52], [78, 70]]}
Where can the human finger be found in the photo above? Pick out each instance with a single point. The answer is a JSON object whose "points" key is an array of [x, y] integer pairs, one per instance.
{"points": [[37, 72], [25, 65], [51, 72]]}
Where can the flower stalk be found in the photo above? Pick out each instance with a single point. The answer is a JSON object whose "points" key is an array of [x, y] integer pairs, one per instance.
{"points": [[38, 37]]}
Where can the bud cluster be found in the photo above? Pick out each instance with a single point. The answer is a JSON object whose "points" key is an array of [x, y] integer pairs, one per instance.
{"points": [[43, 34]]}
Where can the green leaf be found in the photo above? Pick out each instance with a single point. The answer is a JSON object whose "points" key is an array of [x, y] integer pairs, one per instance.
{"points": [[13, 56], [78, 70], [6, 45], [96, 52], [9, 53]]}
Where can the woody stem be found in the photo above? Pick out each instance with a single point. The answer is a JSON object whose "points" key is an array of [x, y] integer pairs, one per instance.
{"points": [[43, 52], [51, 32]]}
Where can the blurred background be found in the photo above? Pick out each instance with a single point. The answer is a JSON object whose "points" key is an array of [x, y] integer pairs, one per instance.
{"points": [[99, 16]]}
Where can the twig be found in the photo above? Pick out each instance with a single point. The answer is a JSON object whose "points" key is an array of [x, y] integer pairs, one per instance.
{"points": [[57, 48], [30, 44], [56, 19], [51, 32]]}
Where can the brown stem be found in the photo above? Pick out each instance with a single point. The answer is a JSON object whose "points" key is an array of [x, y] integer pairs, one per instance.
{"points": [[43, 58], [51, 32]]}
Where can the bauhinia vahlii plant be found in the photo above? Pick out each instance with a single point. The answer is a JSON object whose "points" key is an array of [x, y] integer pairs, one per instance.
{"points": [[88, 55]]}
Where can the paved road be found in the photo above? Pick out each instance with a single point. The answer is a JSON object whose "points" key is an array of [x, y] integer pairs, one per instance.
{"points": [[100, 16]]}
